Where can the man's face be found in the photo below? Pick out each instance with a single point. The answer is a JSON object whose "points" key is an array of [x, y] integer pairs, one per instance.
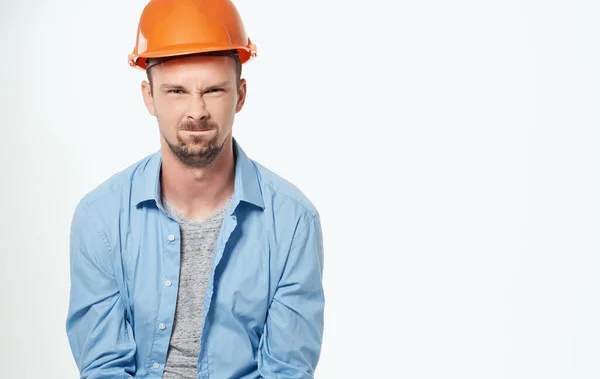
{"points": [[194, 100]]}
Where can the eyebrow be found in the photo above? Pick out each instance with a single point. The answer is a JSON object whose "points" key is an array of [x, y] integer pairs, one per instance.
{"points": [[168, 86], [218, 85], [172, 86]]}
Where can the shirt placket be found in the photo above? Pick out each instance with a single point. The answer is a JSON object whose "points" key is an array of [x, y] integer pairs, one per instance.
{"points": [[229, 225], [171, 260]]}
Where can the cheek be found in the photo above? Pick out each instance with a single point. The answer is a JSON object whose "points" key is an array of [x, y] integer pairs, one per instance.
{"points": [[222, 109], [169, 113]]}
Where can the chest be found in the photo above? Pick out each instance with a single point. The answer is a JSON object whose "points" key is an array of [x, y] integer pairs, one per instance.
{"points": [[236, 264]]}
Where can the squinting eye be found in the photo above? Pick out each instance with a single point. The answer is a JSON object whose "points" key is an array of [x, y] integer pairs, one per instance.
{"points": [[176, 91], [215, 90]]}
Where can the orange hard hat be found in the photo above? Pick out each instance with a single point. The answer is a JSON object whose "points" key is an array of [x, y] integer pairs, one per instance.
{"points": [[169, 28]]}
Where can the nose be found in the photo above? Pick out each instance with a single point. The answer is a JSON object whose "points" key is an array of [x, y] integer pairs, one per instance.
{"points": [[196, 109]]}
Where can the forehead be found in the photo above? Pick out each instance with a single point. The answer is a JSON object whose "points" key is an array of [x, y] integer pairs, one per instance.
{"points": [[202, 69]]}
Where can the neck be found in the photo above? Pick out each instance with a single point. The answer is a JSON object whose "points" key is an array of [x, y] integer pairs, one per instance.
{"points": [[197, 193]]}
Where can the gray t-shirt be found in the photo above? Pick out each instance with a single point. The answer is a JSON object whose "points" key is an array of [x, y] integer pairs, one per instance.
{"points": [[198, 240]]}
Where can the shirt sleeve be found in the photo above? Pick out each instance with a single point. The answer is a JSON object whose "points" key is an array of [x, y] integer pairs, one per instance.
{"points": [[291, 342], [100, 337]]}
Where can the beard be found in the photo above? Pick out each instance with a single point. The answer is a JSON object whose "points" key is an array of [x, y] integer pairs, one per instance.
{"points": [[198, 152]]}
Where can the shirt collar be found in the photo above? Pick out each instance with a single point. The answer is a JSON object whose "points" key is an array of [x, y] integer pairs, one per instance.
{"points": [[146, 186]]}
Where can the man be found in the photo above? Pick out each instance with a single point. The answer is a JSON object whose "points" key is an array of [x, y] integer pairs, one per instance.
{"points": [[196, 261]]}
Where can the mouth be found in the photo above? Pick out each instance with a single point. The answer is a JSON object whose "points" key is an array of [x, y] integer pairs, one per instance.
{"points": [[196, 131]]}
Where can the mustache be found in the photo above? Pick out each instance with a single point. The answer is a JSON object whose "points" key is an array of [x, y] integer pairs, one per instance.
{"points": [[197, 125]]}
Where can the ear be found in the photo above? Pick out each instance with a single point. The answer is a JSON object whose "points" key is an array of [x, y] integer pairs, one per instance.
{"points": [[241, 96], [148, 98]]}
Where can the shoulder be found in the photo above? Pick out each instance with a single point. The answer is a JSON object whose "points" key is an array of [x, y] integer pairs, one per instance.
{"points": [[282, 192], [110, 192]]}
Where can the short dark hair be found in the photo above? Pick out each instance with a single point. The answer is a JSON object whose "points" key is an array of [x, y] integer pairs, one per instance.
{"points": [[150, 62]]}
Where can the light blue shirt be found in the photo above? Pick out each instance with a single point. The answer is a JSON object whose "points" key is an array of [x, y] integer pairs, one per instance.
{"points": [[264, 302]]}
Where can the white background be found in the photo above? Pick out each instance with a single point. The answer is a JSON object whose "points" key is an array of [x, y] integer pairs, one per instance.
{"points": [[450, 146]]}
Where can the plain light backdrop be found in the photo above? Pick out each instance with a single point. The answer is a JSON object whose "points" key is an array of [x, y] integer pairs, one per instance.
{"points": [[451, 148]]}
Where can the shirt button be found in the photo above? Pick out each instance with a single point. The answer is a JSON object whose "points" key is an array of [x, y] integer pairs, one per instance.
{"points": [[162, 326], [171, 237], [168, 283], [155, 365]]}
